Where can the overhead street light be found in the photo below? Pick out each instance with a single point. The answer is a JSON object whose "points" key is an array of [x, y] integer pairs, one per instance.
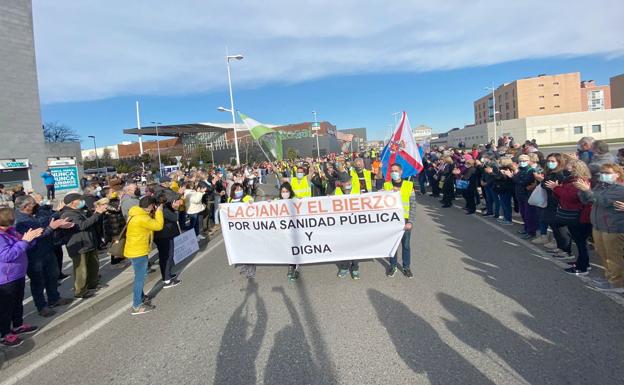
{"points": [[494, 112], [97, 161], [227, 62]]}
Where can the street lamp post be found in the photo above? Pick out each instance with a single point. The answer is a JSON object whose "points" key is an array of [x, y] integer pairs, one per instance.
{"points": [[493, 111], [227, 61], [158, 148], [316, 128], [97, 161]]}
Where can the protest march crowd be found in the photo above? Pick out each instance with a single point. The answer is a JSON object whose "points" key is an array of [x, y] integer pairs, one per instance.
{"points": [[579, 197]]}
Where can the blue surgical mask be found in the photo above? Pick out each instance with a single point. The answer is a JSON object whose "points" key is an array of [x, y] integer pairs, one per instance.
{"points": [[608, 178], [395, 175], [552, 165], [346, 187], [238, 194], [524, 164], [81, 205], [299, 175]]}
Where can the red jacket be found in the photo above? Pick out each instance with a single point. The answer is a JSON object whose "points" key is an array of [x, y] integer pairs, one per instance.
{"points": [[568, 197]]}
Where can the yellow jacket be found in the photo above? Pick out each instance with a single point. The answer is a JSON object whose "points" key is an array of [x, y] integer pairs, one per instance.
{"points": [[140, 229]]}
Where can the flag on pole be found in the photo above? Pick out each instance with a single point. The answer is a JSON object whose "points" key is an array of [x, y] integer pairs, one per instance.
{"points": [[267, 138], [402, 149]]}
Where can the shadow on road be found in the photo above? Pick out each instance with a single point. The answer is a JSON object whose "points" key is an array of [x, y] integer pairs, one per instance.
{"points": [[573, 327], [290, 360], [420, 346], [236, 361]]}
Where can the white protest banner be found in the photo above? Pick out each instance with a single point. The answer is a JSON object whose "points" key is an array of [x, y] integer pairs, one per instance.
{"points": [[184, 245], [321, 229]]}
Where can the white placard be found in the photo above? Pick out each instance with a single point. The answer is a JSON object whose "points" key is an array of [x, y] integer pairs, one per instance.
{"points": [[184, 245], [312, 230]]}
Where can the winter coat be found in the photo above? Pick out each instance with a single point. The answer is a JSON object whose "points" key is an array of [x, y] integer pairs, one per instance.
{"points": [[597, 161], [13, 258], [568, 197], [170, 229], [126, 203], [603, 215], [193, 202], [139, 233], [114, 221], [48, 179], [83, 237], [522, 180], [44, 248], [503, 184], [547, 214]]}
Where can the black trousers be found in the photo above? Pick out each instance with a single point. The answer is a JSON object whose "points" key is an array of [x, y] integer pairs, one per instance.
{"points": [[470, 197], [50, 191], [11, 308], [165, 256], [58, 252]]}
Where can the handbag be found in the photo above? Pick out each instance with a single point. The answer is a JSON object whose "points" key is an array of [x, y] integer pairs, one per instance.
{"points": [[117, 246], [461, 184], [539, 197], [567, 217]]}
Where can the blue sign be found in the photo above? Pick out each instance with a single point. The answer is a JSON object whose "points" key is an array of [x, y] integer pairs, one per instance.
{"points": [[66, 177]]}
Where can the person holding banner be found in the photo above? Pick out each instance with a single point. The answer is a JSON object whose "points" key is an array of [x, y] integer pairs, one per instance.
{"points": [[164, 238], [237, 195], [286, 192], [346, 188], [406, 188], [143, 220]]}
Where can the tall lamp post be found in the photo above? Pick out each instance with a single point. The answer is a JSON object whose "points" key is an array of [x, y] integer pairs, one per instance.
{"points": [[97, 160], [158, 148], [494, 112], [227, 62], [316, 128]]}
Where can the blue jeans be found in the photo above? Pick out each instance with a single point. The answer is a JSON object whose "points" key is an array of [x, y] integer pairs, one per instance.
{"points": [[140, 272], [196, 222], [505, 202], [215, 203], [405, 251], [43, 274], [422, 182], [492, 201]]}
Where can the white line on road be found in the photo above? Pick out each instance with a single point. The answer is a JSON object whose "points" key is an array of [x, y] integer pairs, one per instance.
{"points": [[82, 336]]}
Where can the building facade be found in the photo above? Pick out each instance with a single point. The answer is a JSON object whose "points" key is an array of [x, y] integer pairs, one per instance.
{"points": [[616, 84], [540, 96], [24, 155]]}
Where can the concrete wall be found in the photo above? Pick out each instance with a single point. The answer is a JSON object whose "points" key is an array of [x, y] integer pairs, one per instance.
{"points": [[20, 114]]}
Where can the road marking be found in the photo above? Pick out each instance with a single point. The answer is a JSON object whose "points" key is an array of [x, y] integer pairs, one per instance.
{"points": [[22, 374]]}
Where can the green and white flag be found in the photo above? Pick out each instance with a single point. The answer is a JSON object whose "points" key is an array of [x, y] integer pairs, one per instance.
{"points": [[268, 138]]}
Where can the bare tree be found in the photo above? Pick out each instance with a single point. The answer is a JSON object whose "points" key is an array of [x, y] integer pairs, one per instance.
{"points": [[56, 132]]}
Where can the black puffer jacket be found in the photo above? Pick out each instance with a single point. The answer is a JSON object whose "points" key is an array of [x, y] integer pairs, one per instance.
{"points": [[83, 237], [114, 221], [170, 228]]}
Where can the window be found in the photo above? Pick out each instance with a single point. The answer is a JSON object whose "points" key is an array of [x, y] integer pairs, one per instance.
{"points": [[595, 100], [555, 83], [596, 128], [559, 129], [506, 105], [506, 94], [555, 94], [578, 130], [557, 106], [513, 103], [541, 131], [507, 115], [540, 85], [541, 96], [542, 108]]}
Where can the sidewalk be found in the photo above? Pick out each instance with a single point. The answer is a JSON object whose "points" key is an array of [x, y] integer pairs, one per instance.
{"points": [[117, 285]]}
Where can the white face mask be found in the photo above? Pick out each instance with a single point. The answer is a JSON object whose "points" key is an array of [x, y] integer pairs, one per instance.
{"points": [[299, 175], [608, 178], [285, 195], [395, 175]]}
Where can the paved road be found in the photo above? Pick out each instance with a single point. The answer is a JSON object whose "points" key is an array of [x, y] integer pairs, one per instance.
{"points": [[483, 308]]}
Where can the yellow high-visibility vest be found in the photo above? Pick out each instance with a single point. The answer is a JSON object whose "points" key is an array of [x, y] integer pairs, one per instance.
{"points": [[355, 181], [245, 199], [301, 187], [407, 189]]}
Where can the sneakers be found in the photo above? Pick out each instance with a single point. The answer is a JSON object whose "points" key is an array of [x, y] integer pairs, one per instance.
{"points": [[342, 273], [46, 312], [294, 276], [62, 302], [528, 236], [540, 240], [408, 273], [563, 255], [551, 245], [11, 341], [575, 271], [200, 237], [573, 264], [391, 271], [171, 283], [355, 274], [143, 309], [25, 329]]}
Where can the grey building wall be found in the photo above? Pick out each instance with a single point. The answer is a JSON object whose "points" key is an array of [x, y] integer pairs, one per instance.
{"points": [[359, 132], [20, 114]]}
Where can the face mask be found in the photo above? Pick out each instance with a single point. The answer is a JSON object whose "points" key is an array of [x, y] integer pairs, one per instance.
{"points": [[395, 175], [608, 178], [483, 160], [45, 202], [285, 195], [299, 175], [81, 205], [552, 165], [347, 187], [524, 164], [238, 194]]}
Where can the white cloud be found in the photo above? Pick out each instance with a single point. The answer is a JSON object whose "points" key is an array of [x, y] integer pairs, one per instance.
{"points": [[93, 49]]}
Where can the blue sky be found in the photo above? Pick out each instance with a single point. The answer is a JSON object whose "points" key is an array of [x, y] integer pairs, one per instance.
{"points": [[355, 63]]}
